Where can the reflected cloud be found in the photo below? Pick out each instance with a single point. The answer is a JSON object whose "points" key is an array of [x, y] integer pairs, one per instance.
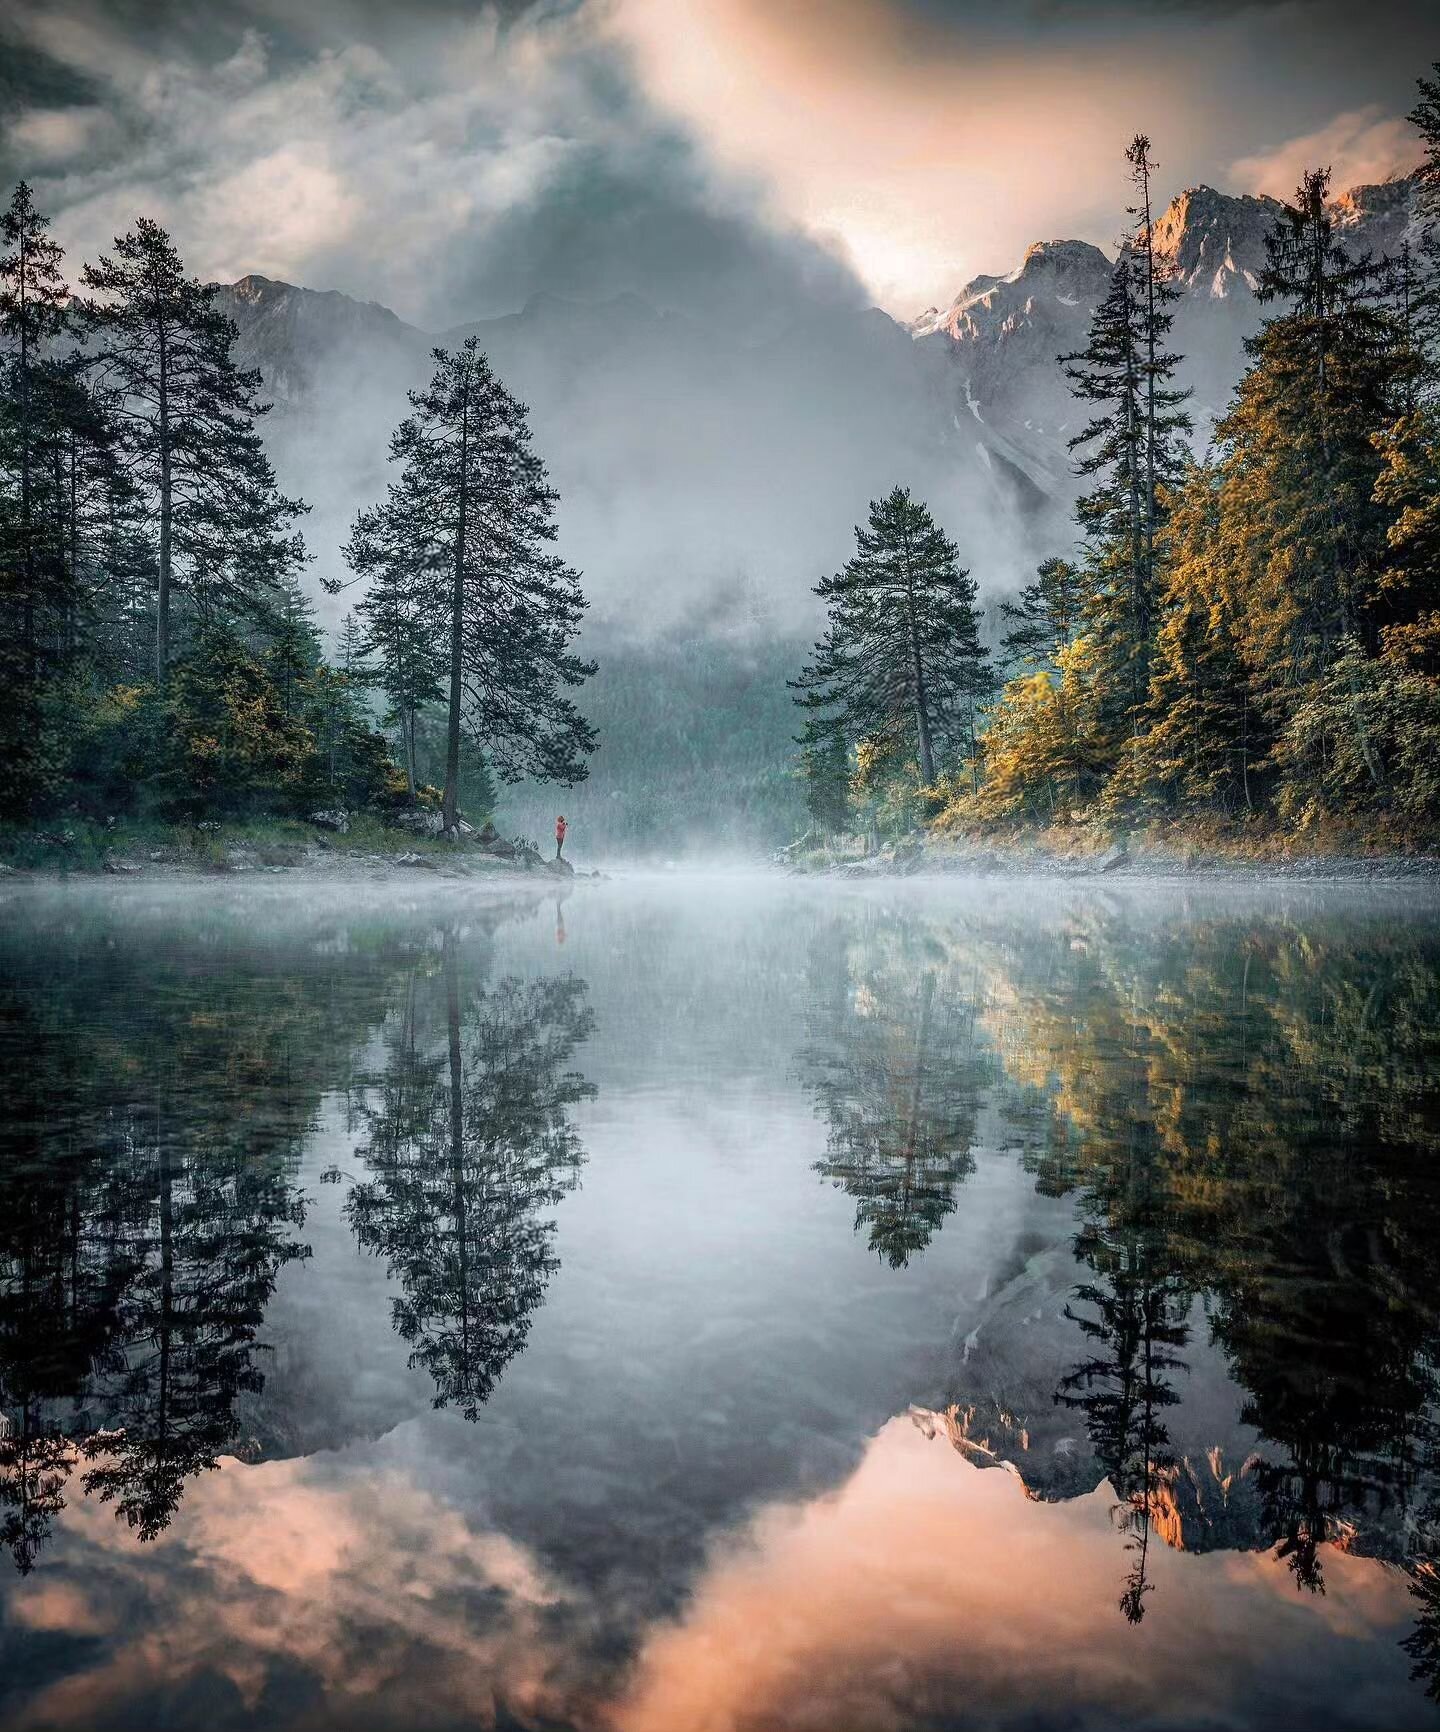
{"points": [[928, 1592]]}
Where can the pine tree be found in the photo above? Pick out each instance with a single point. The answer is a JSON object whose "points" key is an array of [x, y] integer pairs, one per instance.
{"points": [[397, 637], [160, 348], [293, 652], [1201, 740], [33, 296], [1299, 466], [1111, 446], [463, 543], [1166, 422], [901, 656], [1045, 616]]}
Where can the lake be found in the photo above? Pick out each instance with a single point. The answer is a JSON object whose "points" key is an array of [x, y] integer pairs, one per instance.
{"points": [[721, 1304]]}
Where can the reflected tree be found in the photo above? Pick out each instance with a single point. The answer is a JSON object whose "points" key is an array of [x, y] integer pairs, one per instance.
{"points": [[1135, 1318], [148, 1199], [471, 1145], [206, 1233], [899, 1071]]}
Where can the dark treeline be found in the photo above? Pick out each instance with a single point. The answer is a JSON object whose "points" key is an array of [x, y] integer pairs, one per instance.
{"points": [[1254, 631], [150, 1193], [158, 654]]}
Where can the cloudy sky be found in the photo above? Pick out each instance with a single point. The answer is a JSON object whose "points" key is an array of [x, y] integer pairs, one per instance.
{"points": [[450, 158]]}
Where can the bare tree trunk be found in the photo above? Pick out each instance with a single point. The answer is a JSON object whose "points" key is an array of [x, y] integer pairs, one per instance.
{"points": [[450, 807], [167, 509]]}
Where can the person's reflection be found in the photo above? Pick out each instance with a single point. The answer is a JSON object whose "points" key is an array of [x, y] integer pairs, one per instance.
{"points": [[471, 1146], [559, 920]]}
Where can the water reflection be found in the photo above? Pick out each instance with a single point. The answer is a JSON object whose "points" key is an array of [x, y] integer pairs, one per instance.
{"points": [[1133, 1201], [468, 1147], [1246, 1115], [897, 1069], [149, 1196]]}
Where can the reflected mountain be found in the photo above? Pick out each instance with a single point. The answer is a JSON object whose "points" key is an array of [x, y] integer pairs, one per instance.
{"points": [[469, 1146]]}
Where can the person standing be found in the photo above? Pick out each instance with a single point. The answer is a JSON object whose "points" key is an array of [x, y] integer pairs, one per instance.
{"points": [[559, 835]]}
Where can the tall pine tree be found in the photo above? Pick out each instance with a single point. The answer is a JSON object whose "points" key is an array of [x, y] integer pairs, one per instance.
{"points": [[160, 348], [901, 655], [463, 543]]}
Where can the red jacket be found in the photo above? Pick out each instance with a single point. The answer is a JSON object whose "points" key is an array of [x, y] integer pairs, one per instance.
{"points": [[559, 829]]}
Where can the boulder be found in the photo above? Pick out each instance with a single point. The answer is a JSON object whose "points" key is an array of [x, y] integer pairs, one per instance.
{"points": [[419, 821], [421, 860], [336, 820], [1116, 856]]}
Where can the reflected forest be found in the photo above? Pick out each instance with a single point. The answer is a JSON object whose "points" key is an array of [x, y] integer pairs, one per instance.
{"points": [[1242, 1119], [149, 1197]]}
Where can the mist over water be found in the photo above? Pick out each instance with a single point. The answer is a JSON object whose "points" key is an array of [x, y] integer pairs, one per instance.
{"points": [[706, 1300]]}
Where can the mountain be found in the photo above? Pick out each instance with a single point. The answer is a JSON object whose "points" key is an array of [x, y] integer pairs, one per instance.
{"points": [[688, 460], [998, 341]]}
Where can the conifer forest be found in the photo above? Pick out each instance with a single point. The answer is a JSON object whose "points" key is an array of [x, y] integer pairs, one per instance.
{"points": [[719, 866]]}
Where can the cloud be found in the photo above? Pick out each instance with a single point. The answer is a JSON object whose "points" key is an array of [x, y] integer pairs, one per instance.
{"points": [[300, 1577], [56, 135], [451, 174], [926, 1589], [1360, 148]]}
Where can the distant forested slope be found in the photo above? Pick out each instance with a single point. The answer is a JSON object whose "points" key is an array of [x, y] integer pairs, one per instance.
{"points": [[696, 752]]}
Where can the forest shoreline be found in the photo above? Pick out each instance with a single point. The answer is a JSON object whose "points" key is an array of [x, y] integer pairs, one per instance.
{"points": [[367, 852], [1167, 856]]}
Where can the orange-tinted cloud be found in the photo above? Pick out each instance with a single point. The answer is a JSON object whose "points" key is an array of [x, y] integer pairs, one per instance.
{"points": [[925, 1584]]}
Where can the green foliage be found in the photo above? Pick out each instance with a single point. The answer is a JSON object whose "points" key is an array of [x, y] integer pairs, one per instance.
{"points": [[157, 653], [901, 658], [467, 587]]}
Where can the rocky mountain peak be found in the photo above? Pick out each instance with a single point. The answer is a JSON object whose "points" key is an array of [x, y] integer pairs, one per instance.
{"points": [[1211, 241]]}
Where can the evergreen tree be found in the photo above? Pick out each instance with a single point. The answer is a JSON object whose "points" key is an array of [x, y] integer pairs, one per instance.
{"points": [[463, 542], [1166, 422], [471, 1147], [33, 296], [396, 635], [160, 348], [1200, 743], [293, 653], [825, 770], [1299, 466], [901, 656], [1046, 615], [1111, 446]]}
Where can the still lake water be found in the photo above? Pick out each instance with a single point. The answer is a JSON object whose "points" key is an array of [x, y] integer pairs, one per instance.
{"points": [[719, 1305]]}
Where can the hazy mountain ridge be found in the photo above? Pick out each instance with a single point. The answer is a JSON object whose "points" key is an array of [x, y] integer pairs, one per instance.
{"points": [[1000, 338], [689, 456]]}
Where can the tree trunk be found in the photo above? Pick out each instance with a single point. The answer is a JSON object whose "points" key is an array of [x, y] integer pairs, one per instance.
{"points": [[167, 504], [450, 805], [457, 1149], [26, 522], [921, 700]]}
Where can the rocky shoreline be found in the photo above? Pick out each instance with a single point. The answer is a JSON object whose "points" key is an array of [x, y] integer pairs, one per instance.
{"points": [[1123, 860], [329, 852]]}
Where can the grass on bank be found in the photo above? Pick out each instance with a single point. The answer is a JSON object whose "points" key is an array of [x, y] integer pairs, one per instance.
{"points": [[81, 845]]}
